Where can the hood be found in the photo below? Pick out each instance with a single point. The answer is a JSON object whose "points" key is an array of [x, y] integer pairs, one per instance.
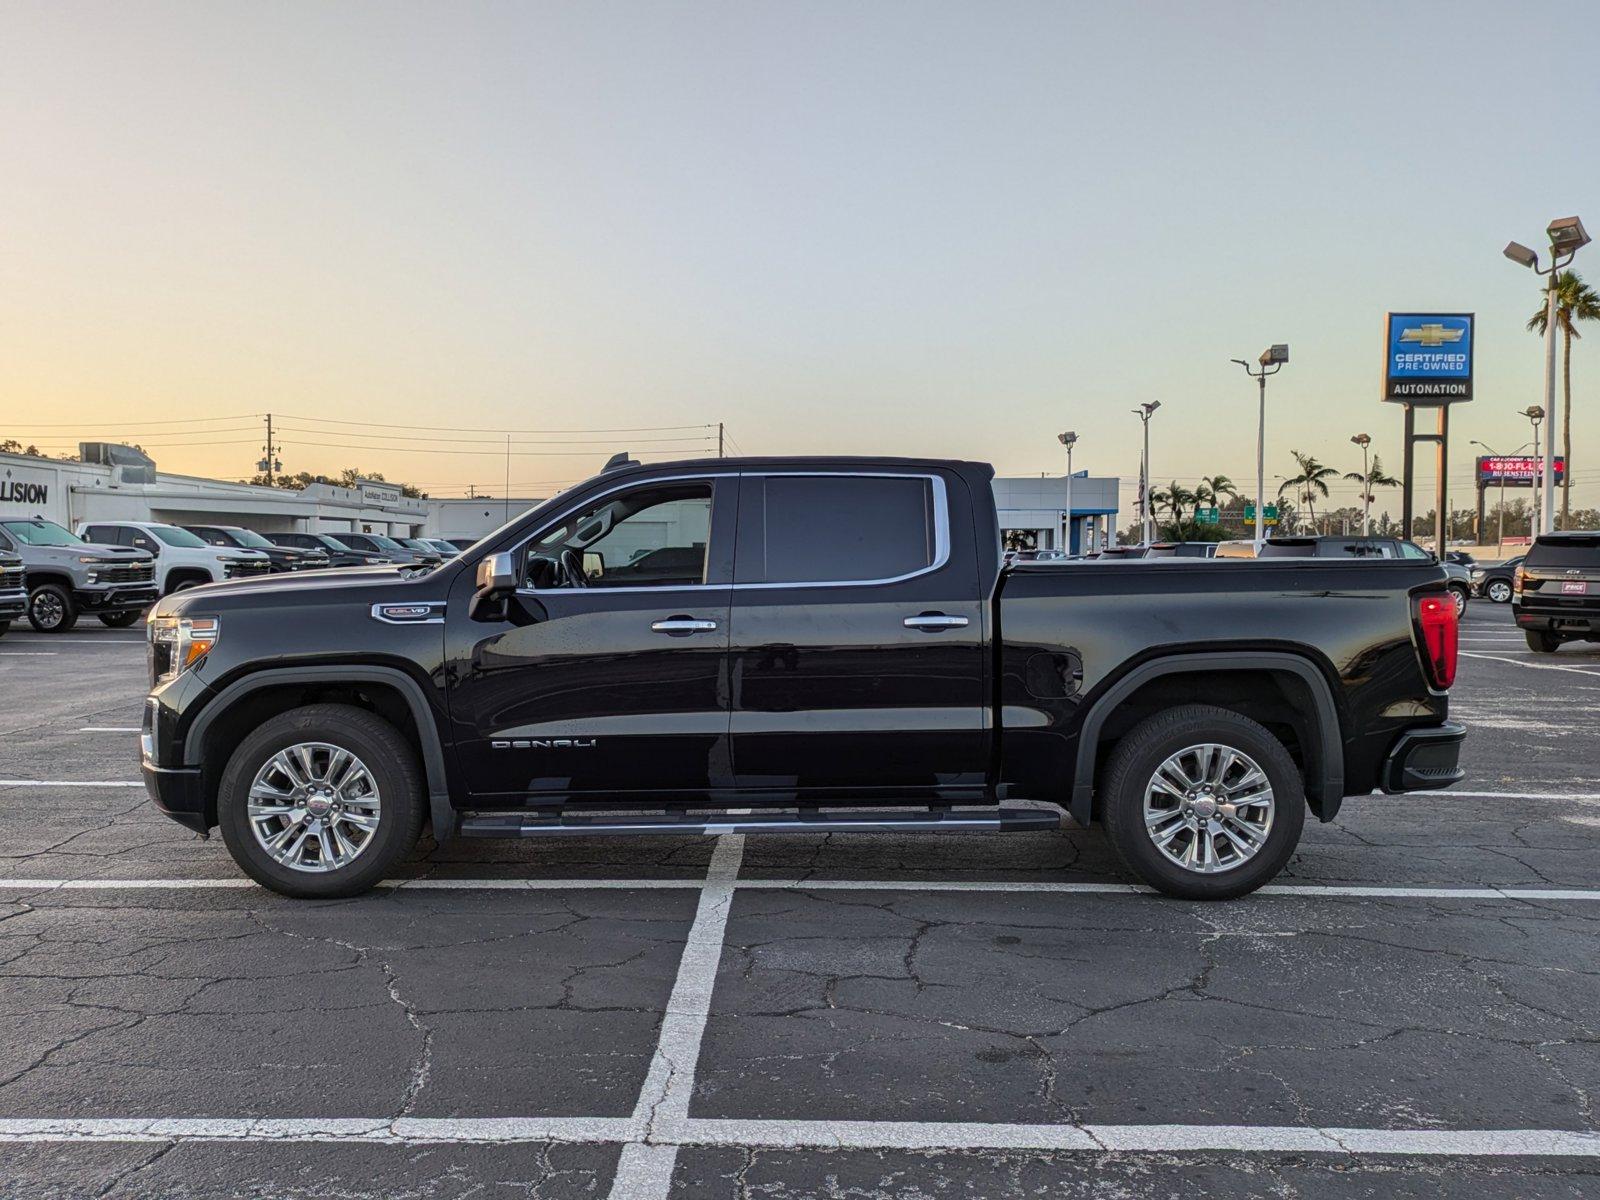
{"points": [[92, 550], [319, 587]]}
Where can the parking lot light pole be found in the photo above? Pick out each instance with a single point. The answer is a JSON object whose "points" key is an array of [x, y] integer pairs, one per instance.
{"points": [[1273, 356], [1364, 440], [1069, 440], [1143, 413], [1567, 236], [1536, 525]]}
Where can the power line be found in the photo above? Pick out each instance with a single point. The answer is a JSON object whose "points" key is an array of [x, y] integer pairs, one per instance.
{"points": [[139, 424], [502, 432], [432, 440]]}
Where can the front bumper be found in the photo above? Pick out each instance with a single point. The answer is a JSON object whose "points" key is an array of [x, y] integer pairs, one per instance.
{"points": [[117, 599], [1424, 759], [177, 788], [178, 792], [13, 605]]}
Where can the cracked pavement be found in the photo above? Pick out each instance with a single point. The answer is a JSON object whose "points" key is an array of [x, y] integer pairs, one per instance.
{"points": [[837, 1005]]}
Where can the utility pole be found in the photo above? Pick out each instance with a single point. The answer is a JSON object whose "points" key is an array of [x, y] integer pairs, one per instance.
{"points": [[719, 439], [1364, 441], [270, 463], [1273, 356]]}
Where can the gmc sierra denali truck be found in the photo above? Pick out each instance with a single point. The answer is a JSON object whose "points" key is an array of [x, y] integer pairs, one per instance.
{"points": [[67, 576], [830, 644]]}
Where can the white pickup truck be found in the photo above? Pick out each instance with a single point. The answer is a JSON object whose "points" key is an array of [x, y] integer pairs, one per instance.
{"points": [[183, 560]]}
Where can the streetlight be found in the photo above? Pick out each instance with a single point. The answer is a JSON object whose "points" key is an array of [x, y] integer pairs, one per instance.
{"points": [[1143, 412], [1536, 525], [1069, 440], [1273, 356], [1500, 538], [1567, 237], [1364, 440]]}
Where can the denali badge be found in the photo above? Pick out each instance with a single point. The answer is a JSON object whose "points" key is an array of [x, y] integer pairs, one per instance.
{"points": [[545, 744]]}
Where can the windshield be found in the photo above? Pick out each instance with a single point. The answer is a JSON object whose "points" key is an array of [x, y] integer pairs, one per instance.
{"points": [[42, 533], [418, 544], [1565, 552], [385, 543], [173, 536], [249, 537]]}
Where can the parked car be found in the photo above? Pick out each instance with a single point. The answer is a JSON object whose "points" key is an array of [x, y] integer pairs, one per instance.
{"points": [[460, 543], [66, 576], [1182, 550], [1494, 582], [1461, 559], [339, 555], [424, 551], [282, 558], [1555, 594], [13, 590], [1196, 709], [382, 544], [446, 549], [182, 559]]}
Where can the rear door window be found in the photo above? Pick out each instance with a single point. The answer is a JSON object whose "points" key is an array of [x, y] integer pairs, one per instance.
{"points": [[837, 528]]}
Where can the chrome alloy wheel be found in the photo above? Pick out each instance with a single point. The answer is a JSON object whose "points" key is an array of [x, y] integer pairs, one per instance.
{"points": [[1208, 808], [48, 609], [1499, 591], [314, 807]]}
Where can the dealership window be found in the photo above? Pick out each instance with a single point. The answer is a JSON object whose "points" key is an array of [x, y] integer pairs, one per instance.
{"points": [[840, 528]]}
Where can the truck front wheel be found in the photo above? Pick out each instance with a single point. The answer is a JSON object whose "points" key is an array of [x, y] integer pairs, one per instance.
{"points": [[50, 609], [321, 801], [1203, 803], [120, 620]]}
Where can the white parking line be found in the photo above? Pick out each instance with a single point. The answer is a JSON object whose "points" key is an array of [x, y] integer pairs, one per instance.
{"points": [[27, 653], [109, 729], [1519, 662], [83, 783]]}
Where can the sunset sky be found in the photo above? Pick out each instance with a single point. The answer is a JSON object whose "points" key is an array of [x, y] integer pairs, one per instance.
{"points": [[920, 228]]}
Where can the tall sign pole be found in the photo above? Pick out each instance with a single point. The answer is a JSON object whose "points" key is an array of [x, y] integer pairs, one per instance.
{"points": [[1270, 363]]}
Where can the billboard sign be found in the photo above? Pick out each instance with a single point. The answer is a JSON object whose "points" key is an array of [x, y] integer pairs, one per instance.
{"points": [[1517, 469], [1428, 358]]}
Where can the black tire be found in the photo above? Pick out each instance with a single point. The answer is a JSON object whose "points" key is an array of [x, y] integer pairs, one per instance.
{"points": [[1134, 763], [392, 762], [1498, 591], [50, 609], [1459, 594], [5, 628], [120, 620], [1541, 642]]}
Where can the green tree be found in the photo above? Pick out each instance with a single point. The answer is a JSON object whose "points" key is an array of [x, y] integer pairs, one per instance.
{"points": [[1310, 483], [12, 446], [1575, 301]]}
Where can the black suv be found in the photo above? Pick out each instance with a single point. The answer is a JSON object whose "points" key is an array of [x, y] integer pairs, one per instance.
{"points": [[1555, 597], [283, 558], [339, 555]]}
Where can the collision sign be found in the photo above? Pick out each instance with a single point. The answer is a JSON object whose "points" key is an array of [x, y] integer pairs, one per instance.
{"points": [[1428, 359]]}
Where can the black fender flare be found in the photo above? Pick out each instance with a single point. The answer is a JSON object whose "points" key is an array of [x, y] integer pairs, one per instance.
{"points": [[440, 809], [1325, 762]]}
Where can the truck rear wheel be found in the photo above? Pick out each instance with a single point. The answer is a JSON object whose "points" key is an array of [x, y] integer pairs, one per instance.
{"points": [[321, 801], [1203, 803], [50, 609], [1541, 642]]}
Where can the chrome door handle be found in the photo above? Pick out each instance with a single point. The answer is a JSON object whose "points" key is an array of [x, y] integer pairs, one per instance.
{"points": [[934, 622], [681, 626]]}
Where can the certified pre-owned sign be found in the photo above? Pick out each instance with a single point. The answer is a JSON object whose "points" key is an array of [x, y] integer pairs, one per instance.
{"points": [[1429, 359]]}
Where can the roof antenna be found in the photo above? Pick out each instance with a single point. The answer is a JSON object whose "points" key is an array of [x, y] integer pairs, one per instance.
{"points": [[617, 461]]}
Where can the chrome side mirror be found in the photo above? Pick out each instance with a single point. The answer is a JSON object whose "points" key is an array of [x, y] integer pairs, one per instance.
{"points": [[497, 573]]}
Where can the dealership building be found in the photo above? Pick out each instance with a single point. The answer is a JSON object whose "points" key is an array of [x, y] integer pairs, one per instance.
{"points": [[118, 483]]}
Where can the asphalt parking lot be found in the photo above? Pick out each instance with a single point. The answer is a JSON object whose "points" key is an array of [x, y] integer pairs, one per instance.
{"points": [[1411, 1011]]}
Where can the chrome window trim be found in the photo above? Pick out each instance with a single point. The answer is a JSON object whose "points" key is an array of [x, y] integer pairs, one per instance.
{"points": [[941, 530]]}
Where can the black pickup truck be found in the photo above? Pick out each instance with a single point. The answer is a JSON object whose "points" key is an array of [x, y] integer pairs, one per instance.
{"points": [[830, 644]]}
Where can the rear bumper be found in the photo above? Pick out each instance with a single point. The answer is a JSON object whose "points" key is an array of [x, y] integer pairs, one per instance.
{"points": [[1583, 621], [1424, 759]]}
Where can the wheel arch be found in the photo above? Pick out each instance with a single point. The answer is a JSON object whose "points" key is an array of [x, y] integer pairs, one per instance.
{"points": [[387, 691], [44, 575], [1283, 691], [176, 575]]}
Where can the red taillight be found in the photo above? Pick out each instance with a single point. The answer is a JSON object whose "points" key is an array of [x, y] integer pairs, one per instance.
{"points": [[1436, 618]]}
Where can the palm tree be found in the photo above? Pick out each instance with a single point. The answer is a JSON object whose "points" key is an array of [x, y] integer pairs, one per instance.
{"points": [[1375, 477], [1311, 482], [1215, 488], [1177, 498], [1575, 301]]}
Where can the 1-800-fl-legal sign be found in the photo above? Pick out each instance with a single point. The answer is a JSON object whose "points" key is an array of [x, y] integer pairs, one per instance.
{"points": [[1429, 358]]}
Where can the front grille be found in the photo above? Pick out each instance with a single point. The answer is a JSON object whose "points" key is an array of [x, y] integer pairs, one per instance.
{"points": [[234, 570], [128, 573], [10, 579]]}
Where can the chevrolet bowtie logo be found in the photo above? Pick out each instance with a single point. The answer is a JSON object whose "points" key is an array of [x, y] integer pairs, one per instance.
{"points": [[1431, 335]]}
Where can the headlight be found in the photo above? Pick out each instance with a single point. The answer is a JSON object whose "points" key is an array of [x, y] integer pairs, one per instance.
{"points": [[177, 643], [1478, 572], [88, 561]]}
